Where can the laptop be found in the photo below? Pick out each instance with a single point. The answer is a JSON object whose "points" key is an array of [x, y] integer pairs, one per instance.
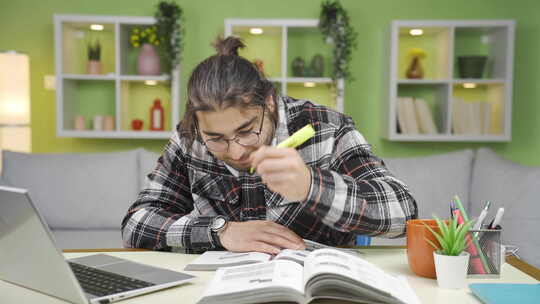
{"points": [[29, 258]]}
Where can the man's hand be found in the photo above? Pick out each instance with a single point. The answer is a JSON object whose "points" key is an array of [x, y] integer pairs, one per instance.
{"points": [[261, 236], [283, 171]]}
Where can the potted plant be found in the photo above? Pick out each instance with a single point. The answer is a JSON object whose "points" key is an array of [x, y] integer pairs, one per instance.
{"points": [[336, 29], [148, 62], [169, 23], [451, 259], [93, 66]]}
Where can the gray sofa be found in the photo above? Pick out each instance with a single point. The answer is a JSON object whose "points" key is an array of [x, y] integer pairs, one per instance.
{"points": [[83, 197]]}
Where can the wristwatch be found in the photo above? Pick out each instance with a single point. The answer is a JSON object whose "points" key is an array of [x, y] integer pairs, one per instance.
{"points": [[219, 223]]}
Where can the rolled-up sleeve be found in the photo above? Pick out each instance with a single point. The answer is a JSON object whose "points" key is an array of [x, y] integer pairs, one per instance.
{"points": [[163, 216]]}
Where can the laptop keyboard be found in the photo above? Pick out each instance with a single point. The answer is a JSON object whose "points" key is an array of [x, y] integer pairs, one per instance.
{"points": [[102, 283]]}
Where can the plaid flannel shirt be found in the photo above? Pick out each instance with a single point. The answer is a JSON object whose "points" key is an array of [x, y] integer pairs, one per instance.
{"points": [[352, 192]]}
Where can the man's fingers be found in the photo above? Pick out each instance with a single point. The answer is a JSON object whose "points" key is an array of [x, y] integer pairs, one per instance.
{"points": [[266, 248], [266, 152], [291, 236], [277, 241]]}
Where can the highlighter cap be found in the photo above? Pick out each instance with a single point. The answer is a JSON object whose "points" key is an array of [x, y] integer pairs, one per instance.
{"points": [[298, 138]]}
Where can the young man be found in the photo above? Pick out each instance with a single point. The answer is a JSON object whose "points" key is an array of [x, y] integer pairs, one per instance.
{"points": [[201, 195]]}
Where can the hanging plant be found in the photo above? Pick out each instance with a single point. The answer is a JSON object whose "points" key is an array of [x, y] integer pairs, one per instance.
{"points": [[334, 25], [169, 23]]}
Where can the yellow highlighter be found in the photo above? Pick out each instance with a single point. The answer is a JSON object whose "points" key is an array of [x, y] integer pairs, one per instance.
{"points": [[299, 137]]}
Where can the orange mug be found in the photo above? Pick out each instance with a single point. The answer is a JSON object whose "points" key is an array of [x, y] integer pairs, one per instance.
{"points": [[419, 251]]}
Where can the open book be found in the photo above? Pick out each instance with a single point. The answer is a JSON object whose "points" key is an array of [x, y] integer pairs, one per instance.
{"points": [[326, 274], [212, 260]]}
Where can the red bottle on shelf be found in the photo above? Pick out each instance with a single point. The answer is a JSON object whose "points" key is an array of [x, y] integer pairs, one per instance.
{"points": [[157, 117]]}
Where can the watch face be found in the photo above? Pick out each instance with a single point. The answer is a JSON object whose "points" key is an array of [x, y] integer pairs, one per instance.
{"points": [[218, 223]]}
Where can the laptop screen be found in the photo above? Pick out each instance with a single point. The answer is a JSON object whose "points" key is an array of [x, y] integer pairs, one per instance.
{"points": [[28, 255]]}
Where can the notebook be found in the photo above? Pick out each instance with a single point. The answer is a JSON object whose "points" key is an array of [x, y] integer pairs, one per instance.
{"points": [[499, 293]]}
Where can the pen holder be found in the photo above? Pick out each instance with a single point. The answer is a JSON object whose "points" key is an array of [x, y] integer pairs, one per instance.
{"points": [[484, 247]]}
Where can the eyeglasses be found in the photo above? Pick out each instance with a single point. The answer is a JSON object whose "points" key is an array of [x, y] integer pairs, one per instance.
{"points": [[243, 138]]}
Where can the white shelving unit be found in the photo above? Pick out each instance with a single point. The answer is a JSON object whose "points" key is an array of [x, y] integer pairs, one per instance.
{"points": [[444, 41], [118, 90], [274, 44]]}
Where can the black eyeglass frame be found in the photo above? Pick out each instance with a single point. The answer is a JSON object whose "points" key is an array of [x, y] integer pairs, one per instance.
{"points": [[236, 138]]}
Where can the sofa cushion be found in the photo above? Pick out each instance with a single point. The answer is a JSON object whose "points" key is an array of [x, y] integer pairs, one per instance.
{"points": [[147, 163], [88, 239], [515, 188], [433, 181], [76, 190]]}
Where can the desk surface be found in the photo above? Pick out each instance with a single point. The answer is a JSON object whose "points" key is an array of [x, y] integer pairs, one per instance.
{"points": [[392, 260]]}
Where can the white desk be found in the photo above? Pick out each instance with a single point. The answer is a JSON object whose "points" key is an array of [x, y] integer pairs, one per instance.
{"points": [[394, 261]]}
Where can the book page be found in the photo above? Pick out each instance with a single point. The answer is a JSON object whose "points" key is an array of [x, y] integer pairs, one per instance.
{"points": [[247, 278], [312, 245], [329, 261], [297, 256], [211, 260]]}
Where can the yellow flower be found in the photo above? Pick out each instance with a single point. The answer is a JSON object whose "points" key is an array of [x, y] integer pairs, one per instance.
{"points": [[417, 52]]}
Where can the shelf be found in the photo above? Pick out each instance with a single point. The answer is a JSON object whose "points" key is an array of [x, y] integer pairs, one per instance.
{"points": [[145, 77], [422, 81], [88, 77], [87, 98], [479, 81], [75, 39], [281, 42], [128, 62], [136, 99], [309, 79], [320, 93], [475, 108], [266, 47], [491, 42], [483, 109], [450, 138], [117, 134], [303, 44], [119, 94], [435, 42]]}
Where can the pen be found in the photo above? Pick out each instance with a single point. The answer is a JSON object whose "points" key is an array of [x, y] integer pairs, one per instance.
{"points": [[295, 140], [497, 219], [481, 217]]}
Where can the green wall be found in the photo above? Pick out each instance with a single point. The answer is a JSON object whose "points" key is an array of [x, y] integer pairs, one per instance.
{"points": [[27, 26]]}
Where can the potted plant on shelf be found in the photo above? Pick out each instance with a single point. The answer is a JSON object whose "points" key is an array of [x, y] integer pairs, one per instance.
{"points": [[148, 62], [451, 259], [93, 66], [169, 23]]}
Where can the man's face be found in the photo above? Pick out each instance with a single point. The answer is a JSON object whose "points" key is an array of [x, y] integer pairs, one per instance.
{"points": [[234, 122]]}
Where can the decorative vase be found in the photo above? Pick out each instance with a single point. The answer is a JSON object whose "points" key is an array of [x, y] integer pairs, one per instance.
{"points": [[317, 65], [471, 66], [148, 62], [415, 70], [419, 251], [451, 270], [93, 67], [298, 66]]}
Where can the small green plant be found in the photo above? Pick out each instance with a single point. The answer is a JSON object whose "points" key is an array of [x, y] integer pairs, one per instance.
{"points": [[94, 51], [452, 236]]}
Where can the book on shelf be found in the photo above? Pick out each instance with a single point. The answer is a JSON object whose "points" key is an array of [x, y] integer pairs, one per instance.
{"points": [[424, 115], [471, 117], [327, 274], [414, 116], [212, 260], [407, 115]]}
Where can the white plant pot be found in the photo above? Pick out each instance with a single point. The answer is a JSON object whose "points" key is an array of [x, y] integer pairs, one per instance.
{"points": [[451, 270]]}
